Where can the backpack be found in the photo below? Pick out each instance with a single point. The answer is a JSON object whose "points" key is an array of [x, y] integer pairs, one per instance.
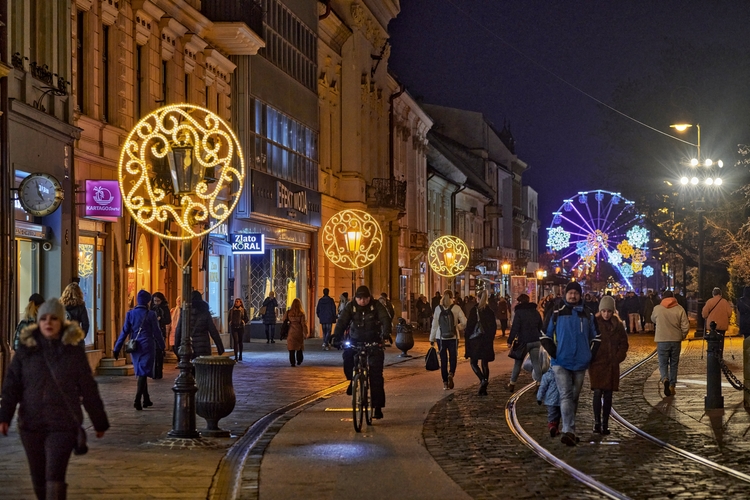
{"points": [[446, 323]]}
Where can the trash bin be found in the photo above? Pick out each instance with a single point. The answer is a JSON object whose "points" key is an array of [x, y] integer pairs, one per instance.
{"points": [[404, 338], [215, 398]]}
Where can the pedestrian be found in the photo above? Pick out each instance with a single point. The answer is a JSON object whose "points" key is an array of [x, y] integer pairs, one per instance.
{"points": [[160, 306], [367, 322], [550, 396], [75, 308], [527, 327], [717, 309], [447, 322], [385, 301], [50, 377], [142, 325], [481, 347], [175, 313], [681, 299], [469, 305], [671, 329], [295, 341], [570, 337], [502, 314], [343, 301], [632, 308], [590, 302], [28, 317], [237, 321], [743, 311], [604, 370], [424, 313], [202, 328], [268, 312], [326, 313], [435, 301], [648, 311]]}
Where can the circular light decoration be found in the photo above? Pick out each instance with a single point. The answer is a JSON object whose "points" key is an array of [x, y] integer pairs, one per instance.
{"points": [[177, 165], [352, 239], [558, 238], [448, 256], [625, 248], [648, 271], [638, 236], [626, 270], [615, 258]]}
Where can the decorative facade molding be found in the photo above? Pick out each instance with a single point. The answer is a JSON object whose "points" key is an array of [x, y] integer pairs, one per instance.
{"points": [[235, 39], [84, 5], [109, 12], [218, 69], [144, 18], [192, 44], [369, 27], [171, 30]]}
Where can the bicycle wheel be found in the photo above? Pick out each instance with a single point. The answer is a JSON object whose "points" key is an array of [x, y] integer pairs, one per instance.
{"points": [[359, 404], [367, 399]]}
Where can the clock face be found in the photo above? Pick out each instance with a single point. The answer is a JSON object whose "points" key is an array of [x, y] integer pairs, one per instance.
{"points": [[40, 194]]}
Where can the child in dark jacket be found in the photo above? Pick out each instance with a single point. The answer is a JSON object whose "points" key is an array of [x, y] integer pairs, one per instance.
{"points": [[549, 395]]}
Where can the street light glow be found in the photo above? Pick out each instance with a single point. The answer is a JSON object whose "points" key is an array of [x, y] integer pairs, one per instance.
{"points": [[709, 162], [717, 182], [684, 181], [694, 181], [708, 181], [681, 127], [694, 162], [720, 164]]}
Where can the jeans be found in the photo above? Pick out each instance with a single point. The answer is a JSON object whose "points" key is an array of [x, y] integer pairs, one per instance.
{"points": [[533, 349], [569, 383], [448, 352], [375, 360], [669, 358], [635, 322], [553, 414], [48, 454], [270, 331], [326, 333]]}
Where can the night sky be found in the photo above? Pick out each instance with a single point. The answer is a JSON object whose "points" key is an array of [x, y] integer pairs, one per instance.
{"points": [[445, 57]]}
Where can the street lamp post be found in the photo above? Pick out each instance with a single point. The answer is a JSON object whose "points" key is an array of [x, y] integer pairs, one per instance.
{"points": [[505, 267], [205, 177], [540, 274]]}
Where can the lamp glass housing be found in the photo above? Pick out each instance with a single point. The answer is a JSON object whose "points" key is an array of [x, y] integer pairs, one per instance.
{"points": [[450, 258], [186, 173], [506, 268], [353, 240]]}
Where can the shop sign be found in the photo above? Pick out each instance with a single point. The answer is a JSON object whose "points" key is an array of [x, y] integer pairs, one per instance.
{"points": [[33, 231], [103, 199], [285, 200], [248, 243]]}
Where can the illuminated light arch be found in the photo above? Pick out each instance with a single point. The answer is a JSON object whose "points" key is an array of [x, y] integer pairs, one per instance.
{"points": [[214, 147], [352, 239], [448, 256]]}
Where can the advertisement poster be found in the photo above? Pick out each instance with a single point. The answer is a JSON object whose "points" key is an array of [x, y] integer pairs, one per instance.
{"points": [[517, 287], [531, 289]]}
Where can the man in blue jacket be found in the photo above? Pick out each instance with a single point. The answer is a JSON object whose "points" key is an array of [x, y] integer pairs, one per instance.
{"points": [[326, 312], [572, 327]]}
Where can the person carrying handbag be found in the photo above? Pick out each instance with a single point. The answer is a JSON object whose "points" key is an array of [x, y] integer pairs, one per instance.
{"points": [[480, 338], [50, 377], [447, 322], [142, 326], [526, 327]]}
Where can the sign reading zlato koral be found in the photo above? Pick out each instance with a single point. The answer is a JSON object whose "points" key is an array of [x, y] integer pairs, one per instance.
{"points": [[248, 243], [103, 199]]}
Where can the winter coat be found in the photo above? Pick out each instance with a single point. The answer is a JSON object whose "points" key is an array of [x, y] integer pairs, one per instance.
{"points": [[631, 305], [80, 314], [604, 370], [502, 309], [370, 323], [573, 328], [671, 321], [148, 340], [548, 393], [44, 406], [201, 327], [297, 331], [648, 309], [238, 317], [527, 324], [326, 310], [459, 319], [163, 317], [482, 347], [717, 309], [269, 317], [423, 309], [743, 311], [435, 302]]}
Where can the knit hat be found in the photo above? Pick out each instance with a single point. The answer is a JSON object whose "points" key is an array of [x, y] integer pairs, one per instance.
{"points": [[37, 299], [607, 303], [143, 298], [362, 292], [53, 307], [574, 285]]}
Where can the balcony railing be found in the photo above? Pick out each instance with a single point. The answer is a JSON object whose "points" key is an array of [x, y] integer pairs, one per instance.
{"points": [[249, 12], [387, 193]]}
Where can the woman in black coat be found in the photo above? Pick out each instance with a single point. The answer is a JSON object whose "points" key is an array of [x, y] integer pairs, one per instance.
{"points": [[50, 377], [269, 317], [75, 308], [527, 328], [160, 306], [481, 348], [201, 327]]}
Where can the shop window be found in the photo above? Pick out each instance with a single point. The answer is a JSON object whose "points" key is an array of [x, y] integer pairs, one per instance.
{"points": [[91, 274], [28, 271]]}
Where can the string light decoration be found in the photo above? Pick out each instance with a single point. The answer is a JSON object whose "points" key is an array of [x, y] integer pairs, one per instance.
{"points": [[85, 260], [625, 248], [203, 184], [638, 236], [648, 271], [352, 239], [615, 258], [448, 256], [626, 270], [558, 238]]}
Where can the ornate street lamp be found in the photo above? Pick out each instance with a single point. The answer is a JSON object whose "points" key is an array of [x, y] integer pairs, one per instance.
{"points": [[540, 275], [505, 268], [448, 256], [194, 141]]}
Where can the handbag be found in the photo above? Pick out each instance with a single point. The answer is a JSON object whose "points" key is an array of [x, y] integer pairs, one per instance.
{"points": [[284, 329], [431, 360], [131, 345], [80, 448], [478, 330], [517, 350]]}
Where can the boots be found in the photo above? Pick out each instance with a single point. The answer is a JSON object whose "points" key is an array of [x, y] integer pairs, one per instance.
{"points": [[56, 490], [40, 492], [147, 401]]}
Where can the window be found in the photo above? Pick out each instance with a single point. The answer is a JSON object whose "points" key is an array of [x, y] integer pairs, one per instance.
{"points": [[138, 81], [164, 100], [80, 80], [187, 87], [105, 73]]}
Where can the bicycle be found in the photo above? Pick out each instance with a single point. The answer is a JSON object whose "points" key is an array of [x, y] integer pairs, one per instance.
{"points": [[361, 408]]}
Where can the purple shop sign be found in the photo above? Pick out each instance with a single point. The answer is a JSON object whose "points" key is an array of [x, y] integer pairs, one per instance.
{"points": [[103, 199]]}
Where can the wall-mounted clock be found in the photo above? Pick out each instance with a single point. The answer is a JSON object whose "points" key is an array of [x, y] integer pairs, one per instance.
{"points": [[40, 194]]}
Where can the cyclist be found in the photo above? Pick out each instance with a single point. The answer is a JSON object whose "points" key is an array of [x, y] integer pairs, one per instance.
{"points": [[368, 321]]}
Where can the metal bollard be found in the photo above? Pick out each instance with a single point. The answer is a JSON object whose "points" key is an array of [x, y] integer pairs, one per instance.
{"points": [[746, 368], [714, 400]]}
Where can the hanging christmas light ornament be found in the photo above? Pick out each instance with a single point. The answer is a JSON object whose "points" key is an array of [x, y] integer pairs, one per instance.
{"points": [[448, 256], [352, 239]]}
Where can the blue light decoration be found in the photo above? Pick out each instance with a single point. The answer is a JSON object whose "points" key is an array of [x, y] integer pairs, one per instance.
{"points": [[582, 198], [615, 258], [556, 218], [648, 271], [638, 236], [599, 196], [615, 198], [585, 249], [626, 270], [558, 238], [568, 205]]}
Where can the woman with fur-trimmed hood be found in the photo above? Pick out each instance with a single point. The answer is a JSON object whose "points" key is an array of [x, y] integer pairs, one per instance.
{"points": [[50, 377]]}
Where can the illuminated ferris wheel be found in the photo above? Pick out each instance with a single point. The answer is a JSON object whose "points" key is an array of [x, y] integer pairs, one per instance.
{"points": [[596, 226]]}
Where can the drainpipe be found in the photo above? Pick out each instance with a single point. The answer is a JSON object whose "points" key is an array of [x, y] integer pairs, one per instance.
{"points": [[453, 209]]}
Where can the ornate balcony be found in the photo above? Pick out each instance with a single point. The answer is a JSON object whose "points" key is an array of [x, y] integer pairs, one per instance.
{"points": [[388, 194]]}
